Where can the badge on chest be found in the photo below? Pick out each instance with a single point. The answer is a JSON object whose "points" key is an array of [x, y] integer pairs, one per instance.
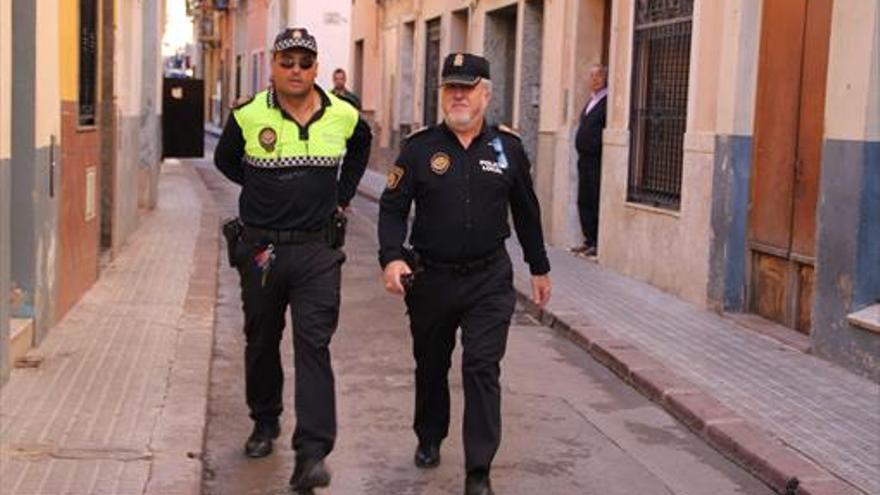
{"points": [[440, 163]]}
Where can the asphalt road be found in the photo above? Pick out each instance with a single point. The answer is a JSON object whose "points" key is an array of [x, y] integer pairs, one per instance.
{"points": [[570, 425]]}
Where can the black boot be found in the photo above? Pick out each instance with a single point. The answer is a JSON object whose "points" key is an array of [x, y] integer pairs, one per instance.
{"points": [[308, 474], [427, 455], [259, 444], [477, 483]]}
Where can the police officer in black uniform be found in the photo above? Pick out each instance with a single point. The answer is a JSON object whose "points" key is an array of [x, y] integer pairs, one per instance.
{"points": [[462, 175], [286, 147]]}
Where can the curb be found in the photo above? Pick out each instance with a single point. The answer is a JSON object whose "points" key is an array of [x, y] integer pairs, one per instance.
{"points": [[753, 448], [179, 438]]}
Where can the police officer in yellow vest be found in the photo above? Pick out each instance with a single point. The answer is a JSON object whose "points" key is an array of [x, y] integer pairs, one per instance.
{"points": [[298, 152]]}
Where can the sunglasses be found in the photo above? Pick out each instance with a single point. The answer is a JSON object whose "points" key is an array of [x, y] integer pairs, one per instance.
{"points": [[304, 63]]}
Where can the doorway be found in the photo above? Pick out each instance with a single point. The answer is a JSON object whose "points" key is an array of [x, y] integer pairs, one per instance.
{"points": [[500, 50], [787, 150], [432, 71], [530, 94]]}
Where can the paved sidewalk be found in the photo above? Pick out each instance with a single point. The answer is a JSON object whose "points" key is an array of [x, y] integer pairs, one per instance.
{"points": [[778, 412], [117, 403]]}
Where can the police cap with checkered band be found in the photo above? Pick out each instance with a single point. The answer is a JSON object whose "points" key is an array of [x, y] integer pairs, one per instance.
{"points": [[296, 37]]}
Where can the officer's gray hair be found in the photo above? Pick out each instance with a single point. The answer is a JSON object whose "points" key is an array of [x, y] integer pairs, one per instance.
{"points": [[487, 83], [599, 66]]}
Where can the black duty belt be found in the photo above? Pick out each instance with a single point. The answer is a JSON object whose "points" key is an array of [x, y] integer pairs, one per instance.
{"points": [[463, 268], [256, 234]]}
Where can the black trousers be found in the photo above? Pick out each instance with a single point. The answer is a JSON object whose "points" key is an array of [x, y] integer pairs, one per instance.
{"points": [[589, 182], [481, 303], [305, 277]]}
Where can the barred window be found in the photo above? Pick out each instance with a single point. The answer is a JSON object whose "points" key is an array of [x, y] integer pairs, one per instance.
{"points": [[661, 64], [88, 60]]}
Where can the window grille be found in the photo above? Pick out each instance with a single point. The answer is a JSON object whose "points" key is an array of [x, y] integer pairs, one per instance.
{"points": [[88, 60], [661, 64]]}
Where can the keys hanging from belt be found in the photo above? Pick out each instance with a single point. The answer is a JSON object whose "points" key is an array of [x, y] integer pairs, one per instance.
{"points": [[263, 258]]}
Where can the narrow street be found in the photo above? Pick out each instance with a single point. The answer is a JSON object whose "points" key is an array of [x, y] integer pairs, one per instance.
{"points": [[570, 425], [703, 176]]}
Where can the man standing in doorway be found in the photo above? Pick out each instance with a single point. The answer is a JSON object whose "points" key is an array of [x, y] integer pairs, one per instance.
{"points": [[298, 153], [588, 143], [463, 176], [339, 89]]}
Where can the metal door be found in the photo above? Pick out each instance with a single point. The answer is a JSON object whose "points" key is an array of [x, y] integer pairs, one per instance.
{"points": [[787, 154], [183, 125]]}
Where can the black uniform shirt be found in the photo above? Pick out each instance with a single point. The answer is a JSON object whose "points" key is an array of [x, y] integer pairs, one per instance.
{"points": [[462, 198], [294, 198]]}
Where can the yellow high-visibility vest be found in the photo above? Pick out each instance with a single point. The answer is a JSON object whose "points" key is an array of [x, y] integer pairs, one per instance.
{"points": [[272, 141]]}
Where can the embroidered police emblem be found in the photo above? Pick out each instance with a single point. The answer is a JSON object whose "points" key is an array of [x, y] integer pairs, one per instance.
{"points": [[459, 60], [440, 163], [394, 176], [267, 139], [297, 34]]}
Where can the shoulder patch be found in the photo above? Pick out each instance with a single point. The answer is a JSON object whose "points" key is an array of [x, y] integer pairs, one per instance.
{"points": [[395, 173], [508, 130], [417, 132], [241, 102]]}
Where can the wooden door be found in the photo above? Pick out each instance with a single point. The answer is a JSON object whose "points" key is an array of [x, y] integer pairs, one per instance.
{"points": [[787, 152]]}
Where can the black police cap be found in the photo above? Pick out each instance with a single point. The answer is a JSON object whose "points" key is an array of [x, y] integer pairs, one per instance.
{"points": [[295, 38], [464, 68]]}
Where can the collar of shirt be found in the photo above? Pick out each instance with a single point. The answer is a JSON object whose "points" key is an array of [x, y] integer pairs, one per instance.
{"points": [[449, 132], [595, 98], [272, 100]]}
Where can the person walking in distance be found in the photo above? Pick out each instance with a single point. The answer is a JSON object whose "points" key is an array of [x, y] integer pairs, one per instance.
{"points": [[340, 90]]}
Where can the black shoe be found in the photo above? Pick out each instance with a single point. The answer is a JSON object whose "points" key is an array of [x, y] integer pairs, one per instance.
{"points": [[259, 444], [477, 483], [308, 474], [427, 455]]}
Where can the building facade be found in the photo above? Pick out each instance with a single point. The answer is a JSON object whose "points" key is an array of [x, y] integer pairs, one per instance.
{"points": [[82, 156], [739, 167], [725, 179]]}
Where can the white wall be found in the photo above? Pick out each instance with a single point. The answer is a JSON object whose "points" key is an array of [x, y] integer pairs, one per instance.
{"points": [[330, 22]]}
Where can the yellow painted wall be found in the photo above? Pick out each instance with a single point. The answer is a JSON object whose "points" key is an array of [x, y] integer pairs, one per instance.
{"points": [[68, 42], [5, 76], [48, 94]]}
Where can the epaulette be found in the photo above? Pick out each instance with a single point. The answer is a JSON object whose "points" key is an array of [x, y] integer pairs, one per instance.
{"points": [[508, 130], [241, 102], [416, 132]]}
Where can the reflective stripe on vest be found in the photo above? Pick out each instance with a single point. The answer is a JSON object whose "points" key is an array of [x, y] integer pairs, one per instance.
{"points": [[324, 148]]}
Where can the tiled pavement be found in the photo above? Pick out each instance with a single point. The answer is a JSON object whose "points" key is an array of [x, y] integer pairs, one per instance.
{"points": [[778, 411], [117, 403]]}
